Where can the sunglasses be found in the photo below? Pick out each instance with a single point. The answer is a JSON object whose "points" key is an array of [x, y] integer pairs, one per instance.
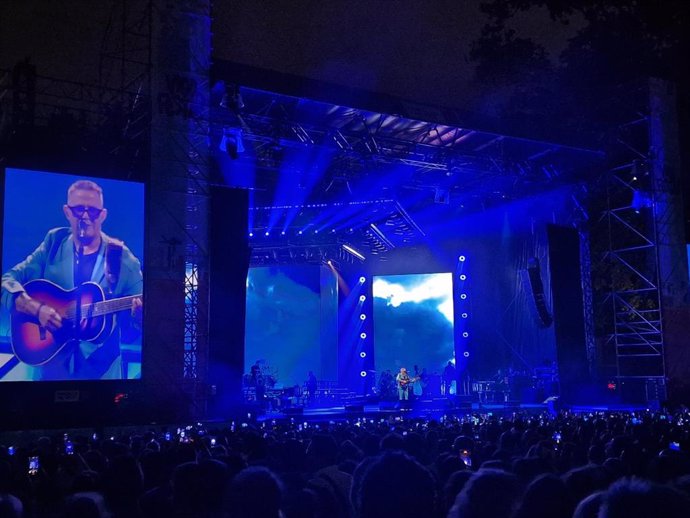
{"points": [[78, 211]]}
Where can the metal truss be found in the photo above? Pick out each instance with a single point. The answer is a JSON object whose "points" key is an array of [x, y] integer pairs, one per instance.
{"points": [[630, 301], [459, 162]]}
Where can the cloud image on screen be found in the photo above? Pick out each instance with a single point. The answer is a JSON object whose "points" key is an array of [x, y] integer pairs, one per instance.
{"points": [[282, 333], [413, 321]]}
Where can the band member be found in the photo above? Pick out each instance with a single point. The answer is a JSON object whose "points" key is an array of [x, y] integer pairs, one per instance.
{"points": [[403, 380], [448, 378], [78, 256], [312, 385]]}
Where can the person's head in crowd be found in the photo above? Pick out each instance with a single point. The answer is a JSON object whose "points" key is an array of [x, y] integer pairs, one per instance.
{"points": [[479, 497], [447, 464], [11, 507], [348, 450], [585, 480], [529, 468], [86, 480], [322, 450], [392, 442], [596, 454], [668, 465], [545, 497], [589, 506], [123, 482], [636, 498], [213, 479], [451, 489], [413, 444], [85, 505], [186, 488], [395, 484], [256, 492]]}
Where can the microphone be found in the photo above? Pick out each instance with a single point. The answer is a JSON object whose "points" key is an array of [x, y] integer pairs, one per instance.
{"points": [[82, 227]]}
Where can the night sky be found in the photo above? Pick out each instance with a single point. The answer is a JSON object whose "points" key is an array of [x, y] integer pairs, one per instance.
{"points": [[410, 49]]}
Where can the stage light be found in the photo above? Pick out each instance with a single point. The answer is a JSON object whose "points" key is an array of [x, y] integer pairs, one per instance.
{"points": [[463, 296], [329, 262], [463, 277], [362, 280], [362, 354], [362, 316], [282, 233], [251, 234], [316, 231], [466, 354], [362, 298], [464, 315], [231, 142], [299, 232], [363, 374], [356, 253], [465, 334], [267, 233], [362, 335], [461, 258]]}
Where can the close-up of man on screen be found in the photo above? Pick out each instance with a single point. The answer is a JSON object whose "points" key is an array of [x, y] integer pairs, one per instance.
{"points": [[78, 273]]}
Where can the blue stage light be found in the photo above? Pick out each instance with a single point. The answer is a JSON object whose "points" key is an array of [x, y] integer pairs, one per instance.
{"points": [[466, 354], [362, 316], [362, 354], [362, 335], [461, 258], [465, 334], [362, 298], [282, 233], [267, 233], [363, 374], [299, 232], [463, 296], [251, 234], [463, 277], [362, 280], [464, 315]]}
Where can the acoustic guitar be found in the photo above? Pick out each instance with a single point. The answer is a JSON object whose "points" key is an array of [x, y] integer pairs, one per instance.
{"points": [[37, 345]]}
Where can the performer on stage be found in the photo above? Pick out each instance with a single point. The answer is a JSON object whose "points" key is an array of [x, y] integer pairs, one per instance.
{"points": [[312, 384], [258, 382], [77, 266], [448, 378], [403, 381]]}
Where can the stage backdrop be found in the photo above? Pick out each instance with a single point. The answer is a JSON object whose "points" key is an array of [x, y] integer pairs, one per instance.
{"points": [[33, 204], [291, 323], [413, 322]]}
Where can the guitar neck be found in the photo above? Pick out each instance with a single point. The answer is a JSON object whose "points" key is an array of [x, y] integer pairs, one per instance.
{"points": [[104, 307]]}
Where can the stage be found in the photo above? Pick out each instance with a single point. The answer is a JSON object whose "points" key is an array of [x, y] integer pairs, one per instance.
{"points": [[431, 409]]}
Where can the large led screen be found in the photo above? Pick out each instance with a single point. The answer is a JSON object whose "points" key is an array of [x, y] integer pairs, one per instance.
{"points": [[291, 326], [413, 322], [72, 284]]}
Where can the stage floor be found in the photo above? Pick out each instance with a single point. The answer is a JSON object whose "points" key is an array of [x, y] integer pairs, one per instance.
{"points": [[418, 409]]}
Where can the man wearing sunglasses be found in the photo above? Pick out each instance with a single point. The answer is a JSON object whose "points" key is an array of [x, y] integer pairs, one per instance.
{"points": [[68, 257]]}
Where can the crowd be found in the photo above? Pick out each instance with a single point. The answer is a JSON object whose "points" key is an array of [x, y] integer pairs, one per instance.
{"points": [[580, 465]]}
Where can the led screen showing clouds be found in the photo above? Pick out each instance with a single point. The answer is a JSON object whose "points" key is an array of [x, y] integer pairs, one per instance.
{"points": [[413, 321], [287, 314]]}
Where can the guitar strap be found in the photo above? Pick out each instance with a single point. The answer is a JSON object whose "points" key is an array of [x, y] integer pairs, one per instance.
{"points": [[113, 261]]}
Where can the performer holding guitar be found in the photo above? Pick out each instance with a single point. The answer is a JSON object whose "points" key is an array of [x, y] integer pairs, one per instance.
{"points": [[76, 296], [403, 381]]}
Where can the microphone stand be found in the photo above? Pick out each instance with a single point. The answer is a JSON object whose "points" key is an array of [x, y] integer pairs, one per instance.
{"points": [[80, 258]]}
